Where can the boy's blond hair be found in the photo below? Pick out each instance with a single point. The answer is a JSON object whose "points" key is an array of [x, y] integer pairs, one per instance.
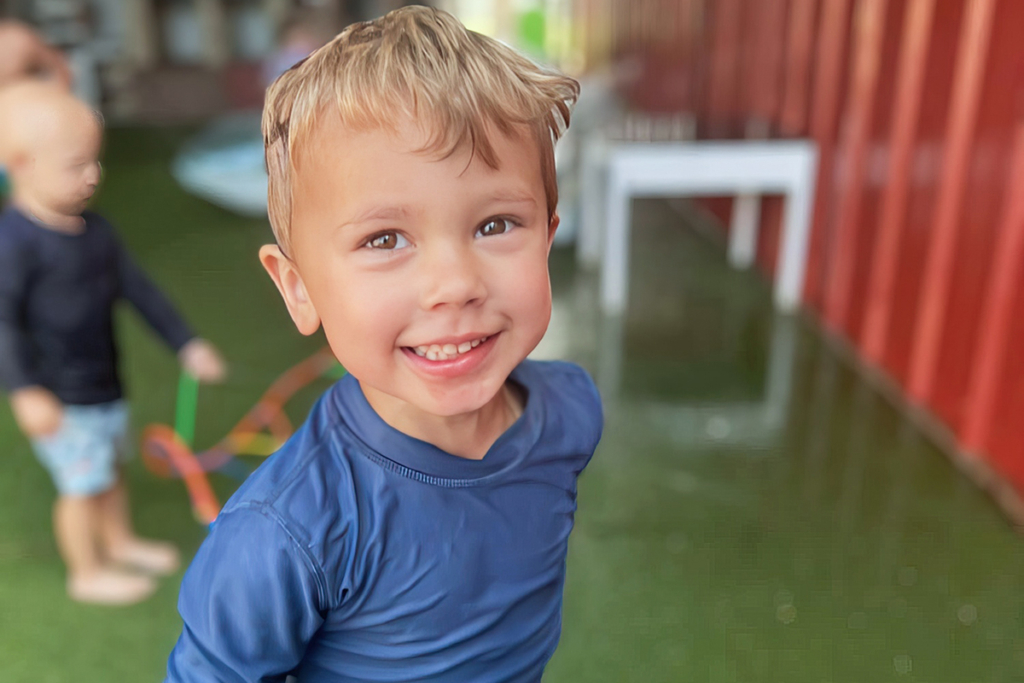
{"points": [[420, 63]]}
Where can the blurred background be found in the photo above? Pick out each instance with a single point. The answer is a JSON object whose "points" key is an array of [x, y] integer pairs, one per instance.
{"points": [[813, 458]]}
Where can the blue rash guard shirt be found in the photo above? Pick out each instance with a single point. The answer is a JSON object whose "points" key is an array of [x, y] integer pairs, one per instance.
{"points": [[358, 553]]}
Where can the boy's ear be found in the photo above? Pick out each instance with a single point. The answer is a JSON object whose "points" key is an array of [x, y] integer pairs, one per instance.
{"points": [[289, 282], [552, 228]]}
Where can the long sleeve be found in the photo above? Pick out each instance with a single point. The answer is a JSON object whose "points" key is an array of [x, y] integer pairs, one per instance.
{"points": [[151, 303], [251, 601], [15, 354]]}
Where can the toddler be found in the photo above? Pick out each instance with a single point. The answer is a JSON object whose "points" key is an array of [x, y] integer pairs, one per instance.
{"points": [[62, 269]]}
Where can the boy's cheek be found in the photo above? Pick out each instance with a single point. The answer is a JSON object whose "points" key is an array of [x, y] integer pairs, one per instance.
{"points": [[364, 301], [363, 324], [531, 280]]}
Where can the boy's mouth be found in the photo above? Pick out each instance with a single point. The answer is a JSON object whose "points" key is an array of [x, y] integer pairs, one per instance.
{"points": [[444, 352]]}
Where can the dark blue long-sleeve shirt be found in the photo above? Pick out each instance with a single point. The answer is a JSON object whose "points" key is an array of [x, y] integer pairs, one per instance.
{"points": [[358, 553], [57, 295]]}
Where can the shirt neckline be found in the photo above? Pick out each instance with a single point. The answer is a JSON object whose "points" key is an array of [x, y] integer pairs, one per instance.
{"points": [[46, 228], [387, 443]]}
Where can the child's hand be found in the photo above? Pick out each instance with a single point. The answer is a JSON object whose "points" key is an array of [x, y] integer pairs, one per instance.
{"points": [[37, 411], [202, 360]]}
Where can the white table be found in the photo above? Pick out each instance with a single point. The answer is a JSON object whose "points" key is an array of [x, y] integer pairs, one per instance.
{"points": [[613, 173]]}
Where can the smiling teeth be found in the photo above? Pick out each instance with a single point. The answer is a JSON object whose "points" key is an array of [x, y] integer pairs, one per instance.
{"points": [[439, 352]]}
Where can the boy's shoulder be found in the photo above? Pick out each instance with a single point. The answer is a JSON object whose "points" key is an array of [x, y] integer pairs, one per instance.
{"points": [[298, 483], [570, 399], [558, 379]]}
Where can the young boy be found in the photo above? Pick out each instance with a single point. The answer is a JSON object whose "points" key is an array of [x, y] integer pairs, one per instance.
{"points": [[415, 528], [61, 271]]}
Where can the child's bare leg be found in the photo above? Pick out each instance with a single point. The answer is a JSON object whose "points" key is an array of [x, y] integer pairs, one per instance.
{"points": [[75, 525], [120, 543], [115, 522]]}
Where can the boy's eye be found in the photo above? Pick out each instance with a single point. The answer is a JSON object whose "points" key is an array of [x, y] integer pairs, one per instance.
{"points": [[495, 226], [387, 241]]}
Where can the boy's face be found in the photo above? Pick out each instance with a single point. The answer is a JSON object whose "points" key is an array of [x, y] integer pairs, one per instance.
{"points": [[429, 275], [62, 171]]}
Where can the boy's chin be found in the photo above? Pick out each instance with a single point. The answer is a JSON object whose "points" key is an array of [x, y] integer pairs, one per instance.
{"points": [[453, 406], [453, 403]]}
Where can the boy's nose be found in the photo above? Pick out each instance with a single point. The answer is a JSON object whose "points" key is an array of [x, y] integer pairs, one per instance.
{"points": [[452, 278]]}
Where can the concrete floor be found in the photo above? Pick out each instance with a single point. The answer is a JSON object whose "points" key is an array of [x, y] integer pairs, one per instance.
{"points": [[755, 512]]}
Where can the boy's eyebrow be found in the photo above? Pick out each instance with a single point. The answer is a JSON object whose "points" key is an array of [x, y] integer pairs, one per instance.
{"points": [[513, 196], [390, 212], [387, 212]]}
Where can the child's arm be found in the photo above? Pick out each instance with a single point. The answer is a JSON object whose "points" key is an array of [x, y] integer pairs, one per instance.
{"points": [[197, 356], [151, 303], [37, 411], [251, 601]]}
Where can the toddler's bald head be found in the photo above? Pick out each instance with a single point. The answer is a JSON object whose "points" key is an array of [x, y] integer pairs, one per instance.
{"points": [[34, 115], [50, 143]]}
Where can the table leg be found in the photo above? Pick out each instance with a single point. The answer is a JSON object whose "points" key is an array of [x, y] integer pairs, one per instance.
{"points": [[746, 217], [796, 237], [591, 203], [615, 259]]}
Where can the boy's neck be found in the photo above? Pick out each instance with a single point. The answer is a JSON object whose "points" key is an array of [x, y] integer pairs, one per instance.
{"points": [[47, 218], [469, 435]]}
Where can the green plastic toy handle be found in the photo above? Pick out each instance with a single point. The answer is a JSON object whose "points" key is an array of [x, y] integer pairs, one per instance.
{"points": [[185, 412]]}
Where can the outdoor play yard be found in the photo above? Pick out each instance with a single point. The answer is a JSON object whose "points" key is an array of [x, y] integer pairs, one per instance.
{"points": [[837, 546]]}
